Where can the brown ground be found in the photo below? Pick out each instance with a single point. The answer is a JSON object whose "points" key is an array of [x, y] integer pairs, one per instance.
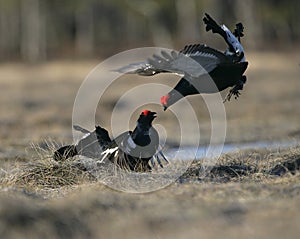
{"points": [[248, 194]]}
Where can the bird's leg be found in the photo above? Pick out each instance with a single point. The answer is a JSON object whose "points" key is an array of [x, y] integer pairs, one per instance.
{"points": [[235, 90]]}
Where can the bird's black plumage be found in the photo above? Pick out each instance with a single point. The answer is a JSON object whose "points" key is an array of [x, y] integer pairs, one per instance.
{"points": [[90, 145], [133, 150], [204, 69]]}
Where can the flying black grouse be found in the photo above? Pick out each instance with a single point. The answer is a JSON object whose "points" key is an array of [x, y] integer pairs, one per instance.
{"points": [[132, 150], [198, 64]]}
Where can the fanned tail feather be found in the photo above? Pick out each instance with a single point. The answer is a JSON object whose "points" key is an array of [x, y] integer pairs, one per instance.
{"points": [[158, 158], [80, 129]]}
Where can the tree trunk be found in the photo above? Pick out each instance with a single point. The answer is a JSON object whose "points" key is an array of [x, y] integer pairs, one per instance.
{"points": [[9, 30], [33, 40], [84, 39], [187, 21], [245, 12]]}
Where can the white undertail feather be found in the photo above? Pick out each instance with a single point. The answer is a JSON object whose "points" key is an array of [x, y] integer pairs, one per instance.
{"points": [[107, 152]]}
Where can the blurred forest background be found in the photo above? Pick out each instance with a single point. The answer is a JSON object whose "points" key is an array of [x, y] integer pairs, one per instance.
{"points": [[40, 30]]}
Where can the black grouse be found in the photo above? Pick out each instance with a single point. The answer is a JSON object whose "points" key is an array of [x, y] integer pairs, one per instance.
{"points": [[198, 64], [132, 150]]}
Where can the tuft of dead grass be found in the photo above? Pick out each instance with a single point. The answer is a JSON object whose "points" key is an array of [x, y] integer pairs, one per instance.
{"points": [[47, 174], [43, 172], [248, 165]]}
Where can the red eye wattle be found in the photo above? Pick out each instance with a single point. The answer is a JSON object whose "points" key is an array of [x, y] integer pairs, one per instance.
{"points": [[146, 112]]}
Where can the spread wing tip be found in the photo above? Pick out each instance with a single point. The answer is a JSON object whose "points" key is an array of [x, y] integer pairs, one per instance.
{"points": [[132, 68]]}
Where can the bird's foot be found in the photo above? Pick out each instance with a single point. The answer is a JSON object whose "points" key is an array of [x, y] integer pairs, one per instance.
{"points": [[234, 92]]}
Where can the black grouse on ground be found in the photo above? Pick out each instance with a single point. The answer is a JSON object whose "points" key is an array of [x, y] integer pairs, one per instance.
{"points": [[132, 150], [198, 64]]}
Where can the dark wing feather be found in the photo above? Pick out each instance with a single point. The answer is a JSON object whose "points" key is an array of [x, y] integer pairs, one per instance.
{"points": [[192, 61], [207, 57]]}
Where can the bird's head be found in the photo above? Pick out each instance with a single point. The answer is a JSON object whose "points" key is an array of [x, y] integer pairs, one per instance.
{"points": [[183, 88], [173, 96], [146, 117], [164, 100]]}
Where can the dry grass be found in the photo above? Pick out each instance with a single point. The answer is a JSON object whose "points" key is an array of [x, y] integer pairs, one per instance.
{"points": [[240, 195], [42, 172], [248, 166], [46, 174]]}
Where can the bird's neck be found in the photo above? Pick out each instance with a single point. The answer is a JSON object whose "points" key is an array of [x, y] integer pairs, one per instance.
{"points": [[140, 134], [141, 129]]}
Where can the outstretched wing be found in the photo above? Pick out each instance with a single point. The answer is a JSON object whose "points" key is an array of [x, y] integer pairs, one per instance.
{"points": [[205, 59], [192, 61]]}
